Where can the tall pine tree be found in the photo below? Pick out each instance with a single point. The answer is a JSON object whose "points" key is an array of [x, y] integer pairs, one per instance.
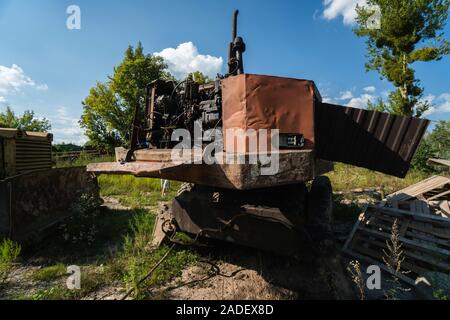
{"points": [[411, 31]]}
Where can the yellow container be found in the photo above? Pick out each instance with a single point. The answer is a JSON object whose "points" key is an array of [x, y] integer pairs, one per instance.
{"points": [[23, 151]]}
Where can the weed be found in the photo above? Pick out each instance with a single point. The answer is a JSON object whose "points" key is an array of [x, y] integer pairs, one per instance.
{"points": [[81, 226], [53, 293], [9, 251], [440, 294], [393, 258], [137, 260], [354, 268]]}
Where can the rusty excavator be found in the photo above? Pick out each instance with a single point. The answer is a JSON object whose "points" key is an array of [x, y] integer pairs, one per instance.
{"points": [[236, 201]]}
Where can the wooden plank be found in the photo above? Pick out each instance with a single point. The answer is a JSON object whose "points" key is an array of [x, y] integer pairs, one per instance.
{"points": [[438, 162], [430, 230], [355, 228], [415, 255], [404, 227], [388, 231], [415, 225], [444, 205], [439, 264], [440, 195], [414, 215], [429, 239], [406, 265], [411, 191], [420, 206], [418, 189], [408, 242], [404, 231], [421, 232], [425, 207], [413, 207]]}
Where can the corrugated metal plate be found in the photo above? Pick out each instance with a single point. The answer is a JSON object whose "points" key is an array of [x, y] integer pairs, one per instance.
{"points": [[368, 139], [33, 154]]}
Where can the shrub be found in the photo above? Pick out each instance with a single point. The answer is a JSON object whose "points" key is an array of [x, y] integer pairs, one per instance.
{"points": [[434, 145]]}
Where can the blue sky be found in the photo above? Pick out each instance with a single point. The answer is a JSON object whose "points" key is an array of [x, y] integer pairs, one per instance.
{"points": [[48, 68]]}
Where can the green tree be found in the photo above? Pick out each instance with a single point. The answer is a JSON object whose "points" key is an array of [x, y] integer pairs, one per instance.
{"points": [[411, 31], [26, 121], [199, 77], [439, 140], [109, 108], [434, 145], [379, 106]]}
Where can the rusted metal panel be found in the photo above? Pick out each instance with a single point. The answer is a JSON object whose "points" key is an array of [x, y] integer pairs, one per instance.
{"points": [[277, 214], [32, 202], [5, 208], [266, 102], [368, 139], [295, 166]]}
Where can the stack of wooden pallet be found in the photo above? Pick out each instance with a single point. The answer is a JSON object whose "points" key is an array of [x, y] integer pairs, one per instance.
{"points": [[423, 217]]}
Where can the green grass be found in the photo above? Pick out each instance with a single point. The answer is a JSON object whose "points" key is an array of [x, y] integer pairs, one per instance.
{"points": [[9, 251], [136, 259], [83, 161], [50, 273], [91, 281], [346, 177], [52, 293], [120, 244], [127, 265], [135, 192]]}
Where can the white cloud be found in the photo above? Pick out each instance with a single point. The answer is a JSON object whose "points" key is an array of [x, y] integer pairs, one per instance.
{"points": [[13, 79], [440, 104], [370, 89], [344, 8], [186, 59], [2, 100], [346, 95], [429, 98], [361, 101], [42, 87], [326, 99], [348, 98], [66, 128]]}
